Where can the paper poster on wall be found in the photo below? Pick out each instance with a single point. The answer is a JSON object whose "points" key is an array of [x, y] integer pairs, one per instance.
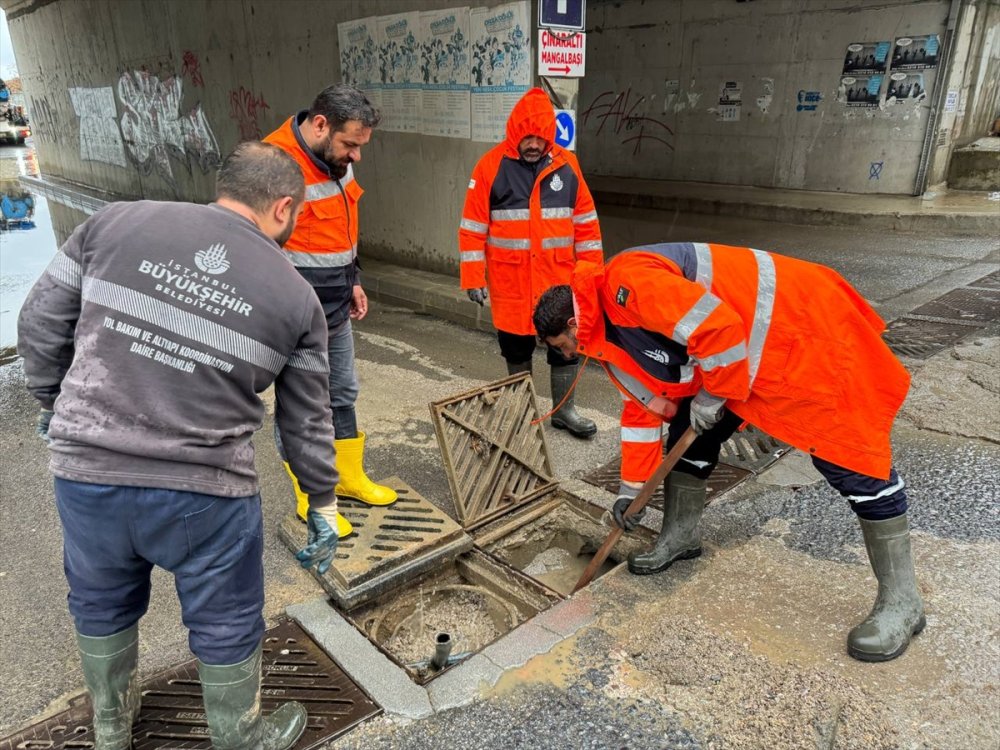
{"points": [[951, 101], [866, 58], [860, 91], [359, 57], [445, 73], [730, 101], [915, 52], [500, 51], [905, 86], [399, 46]]}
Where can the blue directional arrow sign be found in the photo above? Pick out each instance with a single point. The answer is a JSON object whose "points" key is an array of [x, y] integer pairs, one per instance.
{"points": [[561, 14], [566, 128]]}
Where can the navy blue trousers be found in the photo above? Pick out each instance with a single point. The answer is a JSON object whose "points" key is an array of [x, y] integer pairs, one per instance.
{"points": [[213, 546], [870, 498]]}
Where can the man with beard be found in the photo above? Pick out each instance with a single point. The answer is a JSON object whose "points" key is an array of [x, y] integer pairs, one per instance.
{"points": [[326, 140], [528, 219], [147, 341]]}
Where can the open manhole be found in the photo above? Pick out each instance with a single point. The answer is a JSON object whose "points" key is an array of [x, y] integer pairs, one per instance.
{"points": [[294, 667], [920, 339], [722, 479], [969, 304], [390, 545]]}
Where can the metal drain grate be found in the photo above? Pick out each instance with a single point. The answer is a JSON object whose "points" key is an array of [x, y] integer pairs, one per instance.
{"points": [[389, 544], [294, 667], [990, 281], [914, 337], [972, 305], [722, 479], [752, 449], [495, 458]]}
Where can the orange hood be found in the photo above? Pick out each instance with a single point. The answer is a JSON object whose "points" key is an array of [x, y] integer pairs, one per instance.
{"points": [[532, 115]]}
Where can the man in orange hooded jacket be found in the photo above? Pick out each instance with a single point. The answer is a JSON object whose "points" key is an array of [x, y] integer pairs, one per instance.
{"points": [[528, 218], [713, 336]]}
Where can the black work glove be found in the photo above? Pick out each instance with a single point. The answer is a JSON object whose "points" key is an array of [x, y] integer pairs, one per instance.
{"points": [[322, 540], [626, 495], [42, 424], [479, 295]]}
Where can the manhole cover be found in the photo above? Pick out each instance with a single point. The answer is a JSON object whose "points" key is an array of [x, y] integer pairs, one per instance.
{"points": [[972, 305], [990, 281], [722, 479], [390, 544], [294, 667], [752, 449], [913, 337], [495, 456]]}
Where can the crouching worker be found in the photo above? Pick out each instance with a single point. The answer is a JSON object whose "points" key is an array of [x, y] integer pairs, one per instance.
{"points": [[147, 341], [725, 335]]}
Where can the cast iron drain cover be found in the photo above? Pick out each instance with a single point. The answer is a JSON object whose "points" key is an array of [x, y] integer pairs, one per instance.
{"points": [[752, 450], [913, 337], [990, 281], [294, 667], [967, 304], [724, 478]]}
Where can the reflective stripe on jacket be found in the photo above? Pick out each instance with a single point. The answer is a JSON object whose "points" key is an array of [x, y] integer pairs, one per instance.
{"points": [[791, 345], [523, 229], [326, 233]]}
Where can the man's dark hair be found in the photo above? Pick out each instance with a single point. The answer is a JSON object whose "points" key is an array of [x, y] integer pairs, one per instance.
{"points": [[553, 311], [339, 103], [257, 174]]}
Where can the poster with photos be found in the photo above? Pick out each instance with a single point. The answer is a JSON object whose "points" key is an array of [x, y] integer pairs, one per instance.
{"points": [[866, 58], [915, 52], [860, 91]]}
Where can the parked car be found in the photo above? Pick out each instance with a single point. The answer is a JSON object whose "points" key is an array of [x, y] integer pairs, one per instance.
{"points": [[11, 133]]}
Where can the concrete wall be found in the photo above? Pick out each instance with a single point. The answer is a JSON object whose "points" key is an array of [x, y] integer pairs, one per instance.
{"points": [[979, 104], [637, 123]]}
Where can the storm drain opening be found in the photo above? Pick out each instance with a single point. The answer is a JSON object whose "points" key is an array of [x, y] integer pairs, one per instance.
{"points": [[969, 304], [920, 339], [470, 602], [554, 543], [172, 715]]}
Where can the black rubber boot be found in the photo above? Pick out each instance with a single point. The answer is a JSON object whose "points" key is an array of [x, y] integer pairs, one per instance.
{"points": [[683, 506], [567, 418], [232, 707], [513, 368], [109, 669], [898, 613]]}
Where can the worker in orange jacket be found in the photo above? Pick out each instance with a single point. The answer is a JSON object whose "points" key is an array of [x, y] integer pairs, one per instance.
{"points": [[326, 140], [713, 336], [528, 219]]}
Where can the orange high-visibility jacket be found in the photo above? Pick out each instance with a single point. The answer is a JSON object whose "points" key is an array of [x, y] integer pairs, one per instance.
{"points": [[521, 234], [326, 233], [791, 345]]}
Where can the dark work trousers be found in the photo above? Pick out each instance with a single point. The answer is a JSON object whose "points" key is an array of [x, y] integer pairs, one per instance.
{"points": [[870, 498], [517, 349], [113, 536]]}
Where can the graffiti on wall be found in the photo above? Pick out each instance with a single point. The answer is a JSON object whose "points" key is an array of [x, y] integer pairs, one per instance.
{"points": [[154, 129], [621, 115], [192, 69], [99, 136], [44, 119], [245, 108]]}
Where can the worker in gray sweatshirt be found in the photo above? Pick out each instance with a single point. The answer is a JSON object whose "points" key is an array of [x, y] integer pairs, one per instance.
{"points": [[147, 341]]}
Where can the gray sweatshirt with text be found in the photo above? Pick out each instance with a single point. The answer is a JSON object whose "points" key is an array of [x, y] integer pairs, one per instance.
{"points": [[151, 334]]}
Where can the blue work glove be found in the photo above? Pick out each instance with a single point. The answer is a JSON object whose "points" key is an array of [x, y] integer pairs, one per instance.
{"points": [[42, 424], [479, 295], [322, 540], [706, 411], [626, 494]]}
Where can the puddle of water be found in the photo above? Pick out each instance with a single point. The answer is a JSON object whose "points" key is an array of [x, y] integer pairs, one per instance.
{"points": [[562, 574]]}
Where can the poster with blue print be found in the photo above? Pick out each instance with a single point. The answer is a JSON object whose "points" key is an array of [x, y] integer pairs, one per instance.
{"points": [[866, 58], [915, 52]]}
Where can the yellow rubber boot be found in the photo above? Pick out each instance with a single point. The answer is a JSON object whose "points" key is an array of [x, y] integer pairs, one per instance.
{"points": [[344, 527], [354, 482]]}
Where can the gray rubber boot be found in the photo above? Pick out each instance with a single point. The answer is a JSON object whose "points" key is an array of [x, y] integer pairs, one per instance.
{"points": [[898, 613], [513, 368], [109, 670], [232, 707], [683, 506], [567, 418]]}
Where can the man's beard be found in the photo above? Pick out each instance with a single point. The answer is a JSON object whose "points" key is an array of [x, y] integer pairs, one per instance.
{"points": [[285, 235], [336, 167]]}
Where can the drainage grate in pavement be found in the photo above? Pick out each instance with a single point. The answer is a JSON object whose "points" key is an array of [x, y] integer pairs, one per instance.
{"points": [[752, 450], [389, 544], [990, 281], [294, 667], [972, 305], [913, 337], [724, 478]]}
